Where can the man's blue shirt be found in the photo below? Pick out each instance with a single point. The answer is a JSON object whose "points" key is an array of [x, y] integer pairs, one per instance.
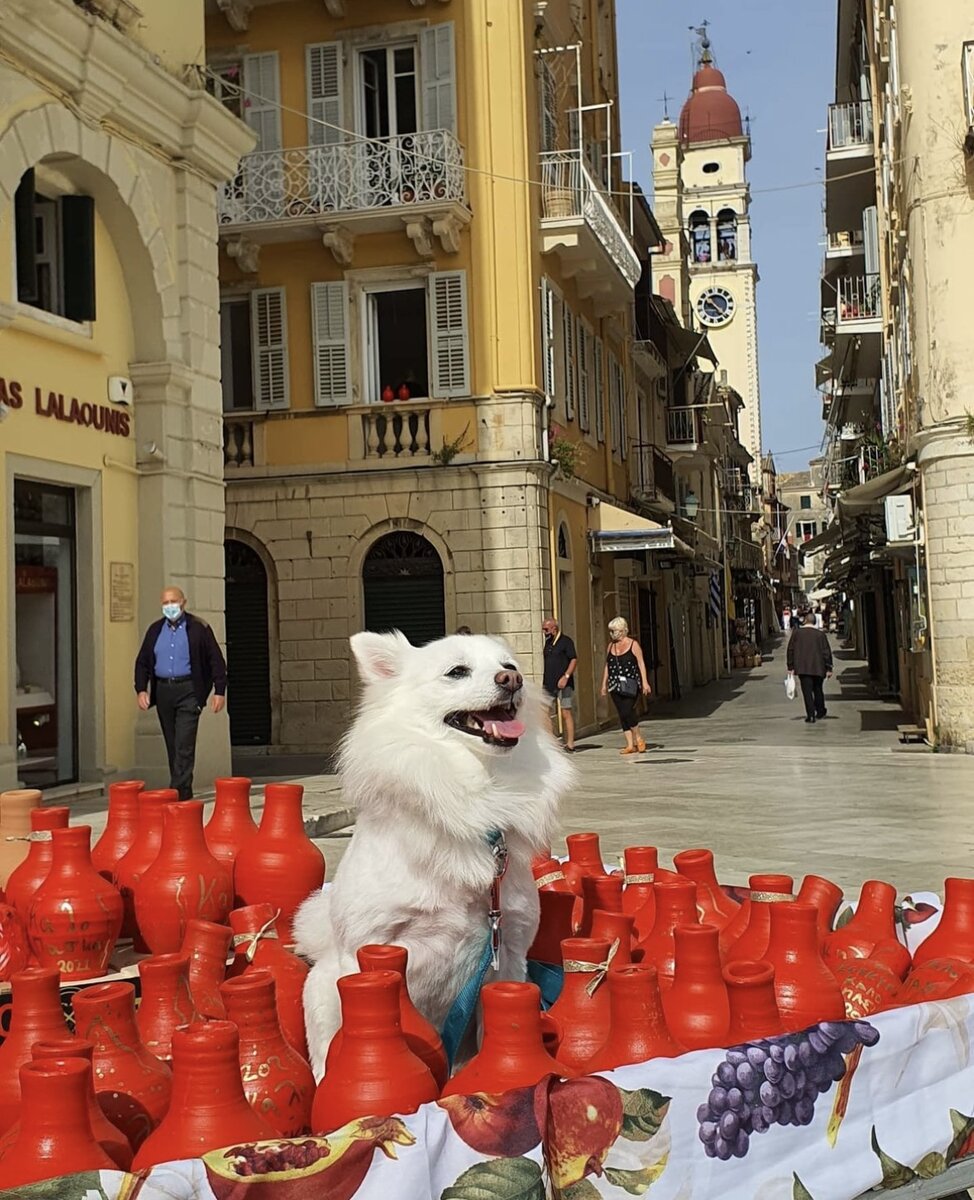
{"points": [[172, 650]]}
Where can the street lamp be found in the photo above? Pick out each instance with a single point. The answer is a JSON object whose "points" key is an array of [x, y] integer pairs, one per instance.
{"points": [[691, 506]]}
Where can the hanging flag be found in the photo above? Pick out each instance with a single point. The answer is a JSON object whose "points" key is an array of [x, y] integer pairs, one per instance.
{"points": [[715, 595]]}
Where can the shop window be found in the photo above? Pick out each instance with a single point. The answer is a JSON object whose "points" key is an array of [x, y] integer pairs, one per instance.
{"points": [[55, 248], [727, 235], [805, 502], [236, 355], [700, 236]]}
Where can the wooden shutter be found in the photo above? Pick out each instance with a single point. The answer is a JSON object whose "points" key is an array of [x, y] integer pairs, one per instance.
{"points": [[323, 67], [78, 257], [268, 326], [613, 404], [262, 98], [449, 336], [584, 376], [568, 349], [329, 325], [599, 377], [623, 413], [870, 242], [439, 77], [548, 341], [26, 239]]}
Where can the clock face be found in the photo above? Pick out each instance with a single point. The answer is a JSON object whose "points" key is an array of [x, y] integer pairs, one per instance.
{"points": [[715, 306]]}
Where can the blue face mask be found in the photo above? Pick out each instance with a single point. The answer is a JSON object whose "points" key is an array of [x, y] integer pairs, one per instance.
{"points": [[172, 612]]}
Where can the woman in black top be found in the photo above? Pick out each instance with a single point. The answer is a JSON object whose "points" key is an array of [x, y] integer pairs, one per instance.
{"points": [[624, 677]]}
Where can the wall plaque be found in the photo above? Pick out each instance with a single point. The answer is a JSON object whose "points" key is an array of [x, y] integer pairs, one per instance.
{"points": [[121, 605]]}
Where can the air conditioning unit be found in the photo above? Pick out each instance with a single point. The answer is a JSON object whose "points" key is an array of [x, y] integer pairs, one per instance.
{"points": [[900, 526]]}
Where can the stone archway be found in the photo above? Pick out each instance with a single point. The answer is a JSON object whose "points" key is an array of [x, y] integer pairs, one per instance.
{"points": [[402, 579]]}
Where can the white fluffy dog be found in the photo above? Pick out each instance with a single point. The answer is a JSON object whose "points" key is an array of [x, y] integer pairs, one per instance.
{"points": [[448, 745]]}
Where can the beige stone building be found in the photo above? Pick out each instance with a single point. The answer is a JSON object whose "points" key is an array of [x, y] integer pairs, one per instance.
{"points": [[110, 418], [802, 492]]}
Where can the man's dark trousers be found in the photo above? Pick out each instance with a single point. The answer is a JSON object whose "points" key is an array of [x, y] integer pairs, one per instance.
{"points": [[813, 695], [179, 716]]}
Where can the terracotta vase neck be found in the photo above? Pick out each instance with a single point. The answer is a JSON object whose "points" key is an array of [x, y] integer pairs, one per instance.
{"points": [[233, 792], [603, 891], [36, 1001], [584, 961], [697, 865], [675, 905], [283, 815], [70, 851], [634, 1000], [251, 1007], [876, 900], [54, 1099], [695, 950], [205, 1067], [793, 931], [182, 831], [512, 1023], [771, 889], [105, 1015], [584, 850], [371, 1005], [959, 900]]}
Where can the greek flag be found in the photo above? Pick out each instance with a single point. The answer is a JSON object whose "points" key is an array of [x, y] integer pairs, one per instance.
{"points": [[715, 595]]}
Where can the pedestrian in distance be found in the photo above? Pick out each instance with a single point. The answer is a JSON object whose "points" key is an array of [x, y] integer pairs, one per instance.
{"points": [[177, 667], [558, 680], [624, 679], [810, 658]]}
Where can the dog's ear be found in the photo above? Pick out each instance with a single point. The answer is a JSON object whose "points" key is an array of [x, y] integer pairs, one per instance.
{"points": [[380, 656]]}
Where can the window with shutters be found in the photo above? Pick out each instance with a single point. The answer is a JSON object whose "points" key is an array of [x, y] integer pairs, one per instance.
{"points": [[262, 98], [268, 331], [568, 359], [55, 251], [400, 87], [584, 359], [329, 333], [236, 354], [548, 341], [615, 408], [598, 380], [326, 115]]}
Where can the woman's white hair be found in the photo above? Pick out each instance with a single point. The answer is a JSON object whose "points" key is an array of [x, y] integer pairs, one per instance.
{"points": [[618, 625]]}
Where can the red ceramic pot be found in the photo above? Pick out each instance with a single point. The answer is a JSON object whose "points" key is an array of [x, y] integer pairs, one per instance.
{"points": [[27, 878], [55, 1136], [108, 1136], [615, 927], [872, 924], [231, 826], [582, 1009], [257, 946], [121, 828], [15, 807], [826, 896], [14, 947], [806, 991], [512, 1054], [696, 1007], [954, 935], [637, 1026], [35, 1016], [277, 1081], [557, 922], [421, 1036], [599, 891], [639, 899], [935, 979], [584, 858], [209, 1108], [132, 1085], [965, 984], [184, 882], [403, 392], [868, 984], [753, 1008], [676, 904], [140, 856], [207, 945], [282, 866], [715, 907], [752, 945], [166, 1004], [388, 395], [548, 874], [375, 1073], [76, 915]]}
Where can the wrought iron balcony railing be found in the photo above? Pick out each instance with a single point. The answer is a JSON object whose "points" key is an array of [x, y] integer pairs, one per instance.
{"points": [[860, 298], [309, 181], [850, 125], [684, 426]]}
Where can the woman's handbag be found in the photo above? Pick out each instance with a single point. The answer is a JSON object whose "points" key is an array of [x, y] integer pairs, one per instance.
{"points": [[626, 687]]}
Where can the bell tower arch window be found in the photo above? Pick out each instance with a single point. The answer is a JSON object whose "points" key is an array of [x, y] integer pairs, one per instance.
{"points": [[700, 247], [727, 235]]}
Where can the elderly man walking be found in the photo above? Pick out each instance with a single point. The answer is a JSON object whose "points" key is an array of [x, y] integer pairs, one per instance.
{"points": [[560, 662], [810, 658], [177, 667]]}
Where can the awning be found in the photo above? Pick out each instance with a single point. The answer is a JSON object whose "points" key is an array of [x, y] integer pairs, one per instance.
{"points": [[618, 530], [823, 370], [684, 344], [821, 593], [864, 496], [828, 537]]}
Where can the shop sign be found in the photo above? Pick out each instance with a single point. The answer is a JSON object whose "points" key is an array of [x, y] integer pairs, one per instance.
{"points": [[73, 411]]}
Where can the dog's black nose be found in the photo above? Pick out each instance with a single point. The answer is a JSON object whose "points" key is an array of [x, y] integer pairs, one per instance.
{"points": [[511, 681]]}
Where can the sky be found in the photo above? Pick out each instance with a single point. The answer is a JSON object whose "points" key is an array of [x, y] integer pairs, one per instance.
{"points": [[779, 63]]}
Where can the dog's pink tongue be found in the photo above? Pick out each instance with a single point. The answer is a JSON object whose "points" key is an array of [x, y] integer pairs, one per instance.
{"points": [[504, 729]]}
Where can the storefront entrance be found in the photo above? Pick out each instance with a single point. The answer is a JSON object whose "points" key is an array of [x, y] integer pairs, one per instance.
{"points": [[403, 583], [46, 645], [248, 647]]}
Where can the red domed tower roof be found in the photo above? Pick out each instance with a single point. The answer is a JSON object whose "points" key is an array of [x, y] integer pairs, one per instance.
{"points": [[711, 113]]}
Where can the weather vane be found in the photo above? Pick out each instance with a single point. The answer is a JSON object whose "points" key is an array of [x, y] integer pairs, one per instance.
{"points": [[665, 101]]}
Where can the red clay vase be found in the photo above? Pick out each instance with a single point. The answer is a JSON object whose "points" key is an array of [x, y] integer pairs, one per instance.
{"points": [[582, 1009], [76, 915], [140, 856], [14, 946], [121, 828], [557, 922], [207, 945], [964, 985], [639, 899], [35, 1016], [374, 1074], [184, 882], [872, 924], [935, 979], [739, 922], [753, 1008], [209, 1108], [549, 875], [806, 991], [512, 1054], [868, 984], [133, 1086], [282, 866], [166, 1004], [599, 891], [696, 1007], [257, 946], [15, 809], [231, 825], [676, 904], [584, 858], [55, 1136], [752, 945], [954, 935], [27, 878], [826, 896], [714, 906], [615, 927], [421, 1037], [637, 1026], [277, 1081]]}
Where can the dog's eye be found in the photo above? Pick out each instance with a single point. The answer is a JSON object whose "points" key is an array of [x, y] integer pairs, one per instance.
{"points": [[458, 673], [509, 666]]}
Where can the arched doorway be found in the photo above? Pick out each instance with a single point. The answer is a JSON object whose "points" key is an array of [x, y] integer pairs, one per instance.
{"points": [[402, 577], [248, 647]]}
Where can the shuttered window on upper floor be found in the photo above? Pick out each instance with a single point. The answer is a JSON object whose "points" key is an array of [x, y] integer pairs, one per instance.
{"points": [[271, 372]]}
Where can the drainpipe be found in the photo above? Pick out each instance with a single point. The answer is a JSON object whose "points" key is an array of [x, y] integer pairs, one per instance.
{"points": [[931, 640]]}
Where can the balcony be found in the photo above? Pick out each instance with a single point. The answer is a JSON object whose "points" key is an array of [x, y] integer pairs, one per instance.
{"points": [[684, 430], [744, 555], [243, 444], [860, 304], [844, 244], [415, 179], [657, 484], [581, 227], [851, 127], [850, 184]]}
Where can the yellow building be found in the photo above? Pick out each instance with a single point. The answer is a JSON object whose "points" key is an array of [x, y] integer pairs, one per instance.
{"points": [[110, 457], [427, 279]]}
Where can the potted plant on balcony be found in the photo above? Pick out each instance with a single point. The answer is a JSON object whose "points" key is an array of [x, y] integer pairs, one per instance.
{"points": [[566, 455]]}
